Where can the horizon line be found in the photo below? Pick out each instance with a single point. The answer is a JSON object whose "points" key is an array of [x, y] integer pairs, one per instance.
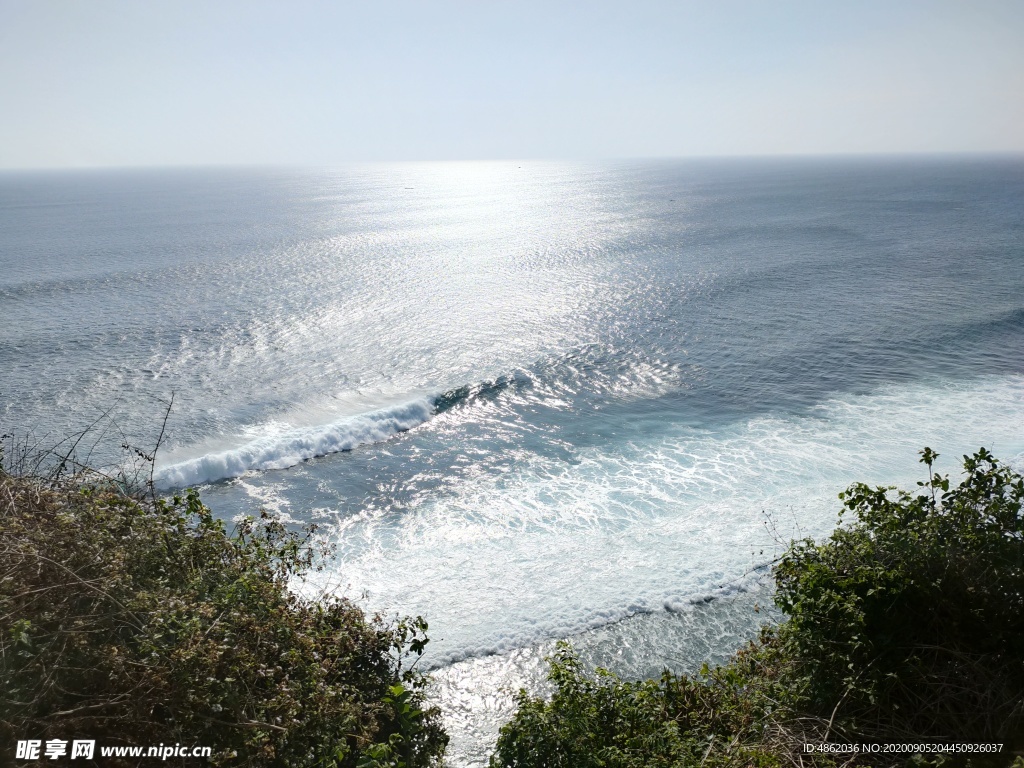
{"points": [[886, 155]]}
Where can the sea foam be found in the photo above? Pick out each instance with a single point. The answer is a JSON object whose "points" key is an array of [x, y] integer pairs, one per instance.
{"points": [[658, 523], [282, 449]]}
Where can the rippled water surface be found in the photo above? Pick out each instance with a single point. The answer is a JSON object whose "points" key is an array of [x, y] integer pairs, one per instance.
{"points": [[531, 401]]}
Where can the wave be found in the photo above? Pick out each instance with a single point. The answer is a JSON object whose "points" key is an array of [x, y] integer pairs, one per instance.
{"points": [[286, 449], [594, 371], [470, 393], [280, 450], [592, 368]]}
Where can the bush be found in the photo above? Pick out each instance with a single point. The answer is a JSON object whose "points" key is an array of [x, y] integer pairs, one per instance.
{"points": [[722, 718], [137, 621], [910, 622], [907, 625]]}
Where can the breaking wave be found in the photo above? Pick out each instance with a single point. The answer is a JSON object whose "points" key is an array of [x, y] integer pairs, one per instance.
{"points": [[286, 449]]}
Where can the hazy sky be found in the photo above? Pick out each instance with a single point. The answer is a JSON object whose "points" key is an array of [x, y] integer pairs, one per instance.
{"points": [[129, 82]]}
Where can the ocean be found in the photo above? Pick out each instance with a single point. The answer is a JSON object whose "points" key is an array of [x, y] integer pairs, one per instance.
{"points": [[527, 400]]}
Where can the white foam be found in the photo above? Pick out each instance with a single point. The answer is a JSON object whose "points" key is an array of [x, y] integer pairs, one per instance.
{"points": [[552, 548], [280, 447]]}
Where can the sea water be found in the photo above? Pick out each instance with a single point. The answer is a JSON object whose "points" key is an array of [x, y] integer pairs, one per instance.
{"points": [[528, 401]]}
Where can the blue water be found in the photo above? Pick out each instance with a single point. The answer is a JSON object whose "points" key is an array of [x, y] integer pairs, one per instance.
{"points": [[527, 400]]}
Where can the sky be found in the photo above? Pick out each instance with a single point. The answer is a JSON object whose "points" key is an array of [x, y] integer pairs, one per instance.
{"points": [[226, 82]]}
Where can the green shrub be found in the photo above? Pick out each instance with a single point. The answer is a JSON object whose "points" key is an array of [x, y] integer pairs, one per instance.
{"points": [[592, 721], [723, 717], [139, 622], [907, 625], [910, 622]]}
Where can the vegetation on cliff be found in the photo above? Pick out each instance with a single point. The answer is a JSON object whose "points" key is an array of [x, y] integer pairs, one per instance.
{"points": [[138, 621]]}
